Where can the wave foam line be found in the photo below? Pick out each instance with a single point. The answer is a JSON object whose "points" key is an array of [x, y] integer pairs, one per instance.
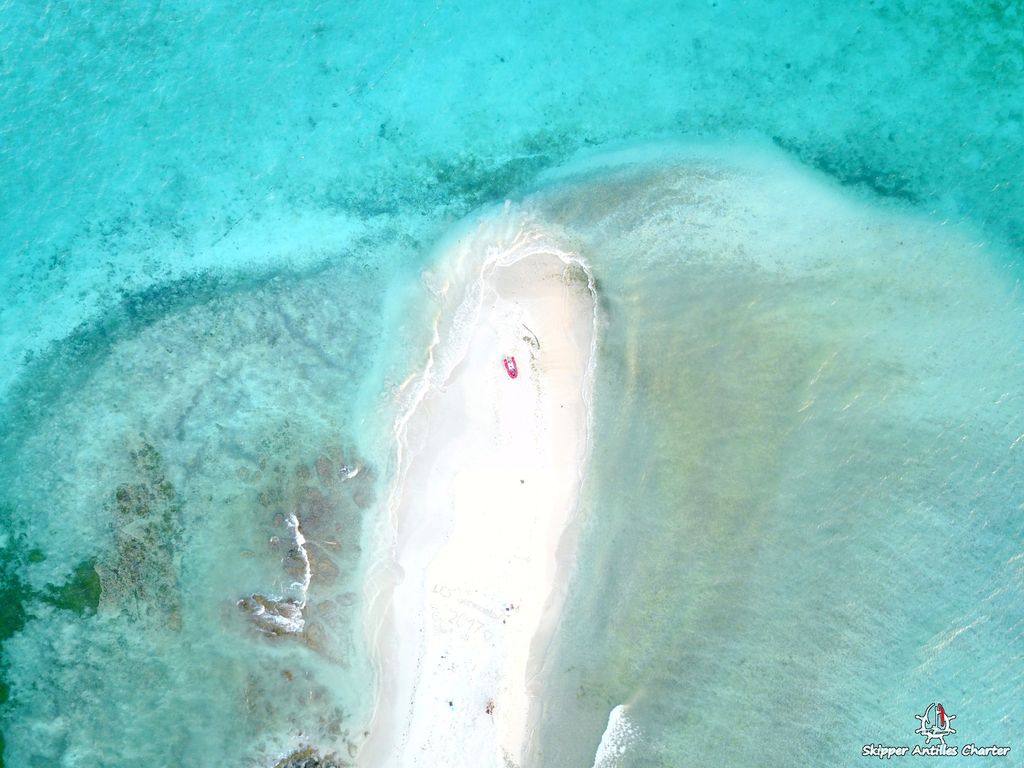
{"points": [[300, 544], [617, 738]]}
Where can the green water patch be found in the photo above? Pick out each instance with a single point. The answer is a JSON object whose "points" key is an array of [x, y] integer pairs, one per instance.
{"points": [[80, 595]]}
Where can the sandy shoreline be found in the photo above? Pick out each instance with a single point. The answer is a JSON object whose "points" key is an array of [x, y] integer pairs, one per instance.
{"points": [[488, 480]]}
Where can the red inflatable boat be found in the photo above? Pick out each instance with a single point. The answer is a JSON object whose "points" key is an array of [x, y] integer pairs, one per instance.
{"points": [[510, 367]]}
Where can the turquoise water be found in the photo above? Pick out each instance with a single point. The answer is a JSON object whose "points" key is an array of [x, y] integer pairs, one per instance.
{"points": [[214, 219]]}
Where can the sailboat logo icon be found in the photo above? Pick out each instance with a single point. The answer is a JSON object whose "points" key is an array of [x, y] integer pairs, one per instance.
{"points": [[935, 724]]}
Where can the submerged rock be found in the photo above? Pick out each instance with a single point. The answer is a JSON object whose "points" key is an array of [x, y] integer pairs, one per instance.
{"points": [[324, 470], [295, 563], [324, 569], [309, 757], [315, 637]]}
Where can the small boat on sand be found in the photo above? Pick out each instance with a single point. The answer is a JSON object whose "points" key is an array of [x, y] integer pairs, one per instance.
{"points": [[510, 367]]}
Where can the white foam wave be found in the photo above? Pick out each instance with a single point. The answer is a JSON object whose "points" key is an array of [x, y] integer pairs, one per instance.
{"points": [[276, 617], [620, 734], [307, 573]]}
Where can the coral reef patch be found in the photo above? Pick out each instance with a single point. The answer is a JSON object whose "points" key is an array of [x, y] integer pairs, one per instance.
{"points": [[140, 576], [309, 757]]}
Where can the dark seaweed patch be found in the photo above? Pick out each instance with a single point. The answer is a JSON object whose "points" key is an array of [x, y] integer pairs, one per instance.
{"points": [[457, 183], [853, 171], [81, 594], [475, 181], [12, 608]]}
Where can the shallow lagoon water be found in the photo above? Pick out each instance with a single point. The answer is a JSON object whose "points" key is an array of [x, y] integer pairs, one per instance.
{"points": [[174, 469], [803, 514], [213, 224]]}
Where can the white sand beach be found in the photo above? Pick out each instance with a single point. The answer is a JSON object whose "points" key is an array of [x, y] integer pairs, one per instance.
{"points": [[489, 478]]}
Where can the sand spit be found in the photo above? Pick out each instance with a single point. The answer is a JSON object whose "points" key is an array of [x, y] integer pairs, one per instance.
{"points": [[489, 471]]}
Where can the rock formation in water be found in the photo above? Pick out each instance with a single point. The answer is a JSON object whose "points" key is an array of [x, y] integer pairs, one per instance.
{"points": [[316, 512], [274, 616], [311, 758]]}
